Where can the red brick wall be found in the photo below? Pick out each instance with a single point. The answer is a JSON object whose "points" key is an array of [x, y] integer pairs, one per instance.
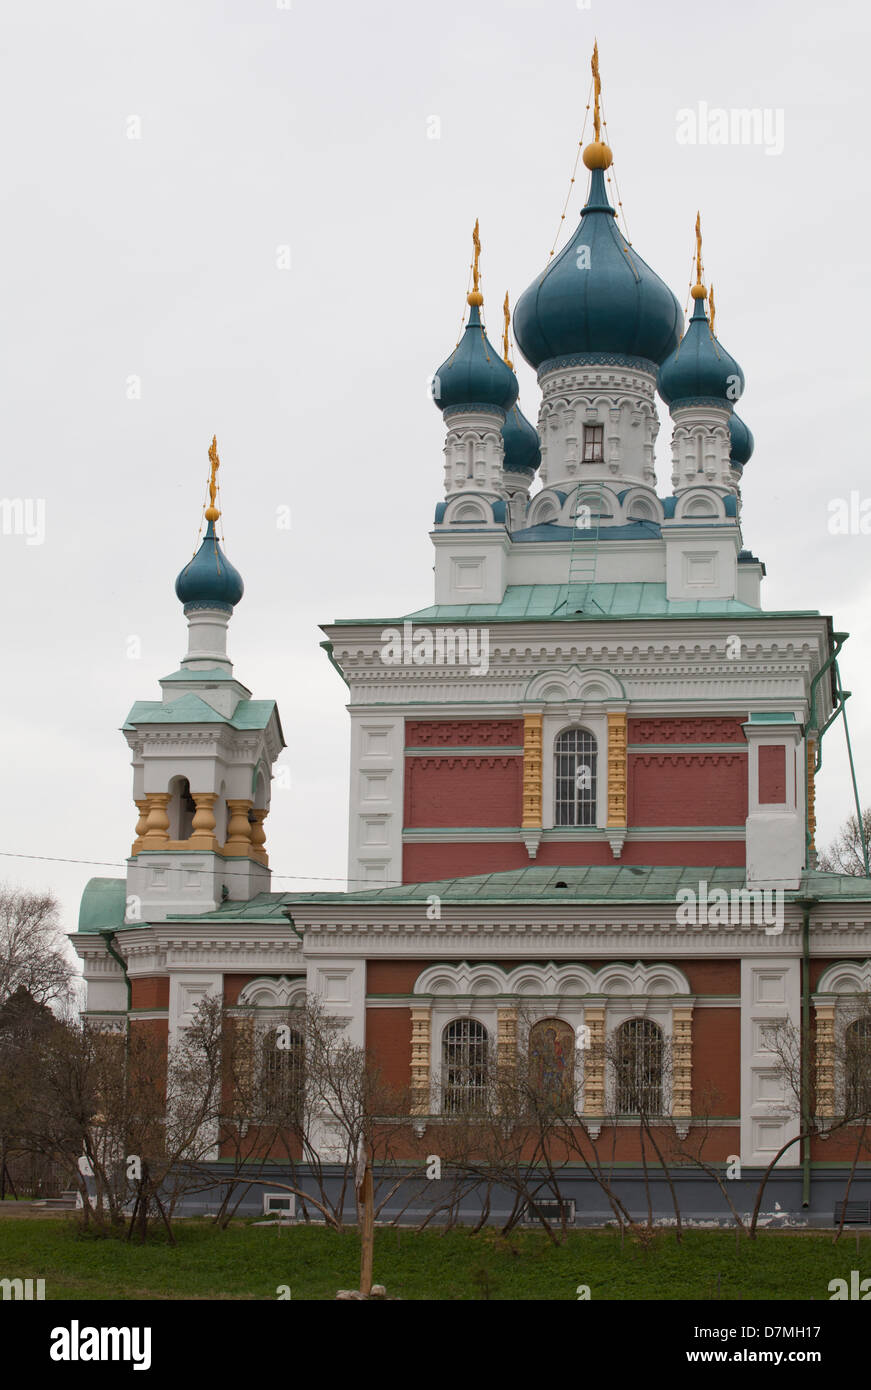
{"points": [[772, 774], [464, 733], [711, 976], [687, 730], [717, 1061], [423, 862], [687, 788], [150, 993], [233, 986], [459, 790], [388, 1039], [393, 976]]}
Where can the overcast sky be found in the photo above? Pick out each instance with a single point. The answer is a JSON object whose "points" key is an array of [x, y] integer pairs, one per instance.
{"points": [[310, 127]]}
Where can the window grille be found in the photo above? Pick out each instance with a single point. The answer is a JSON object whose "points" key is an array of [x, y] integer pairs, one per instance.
{"points": [[576, 759], [638, 1067], [464, 1066], [283, 1074], [857, 1059]]}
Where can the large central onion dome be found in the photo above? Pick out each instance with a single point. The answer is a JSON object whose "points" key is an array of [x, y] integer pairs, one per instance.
{"points": [[597, 296]]}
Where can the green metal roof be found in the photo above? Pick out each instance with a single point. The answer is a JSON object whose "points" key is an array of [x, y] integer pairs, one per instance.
{"points": [[103, 901], [213, 675], [103, 905], [190, 709], [604, 601]]}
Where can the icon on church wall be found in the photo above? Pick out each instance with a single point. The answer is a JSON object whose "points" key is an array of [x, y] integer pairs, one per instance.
{"points": [[551, 1060]]}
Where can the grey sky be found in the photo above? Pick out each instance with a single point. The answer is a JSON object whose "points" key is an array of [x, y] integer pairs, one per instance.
{"points": [[308, 127]]}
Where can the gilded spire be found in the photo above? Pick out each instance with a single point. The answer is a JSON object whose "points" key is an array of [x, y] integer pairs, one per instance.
{"points": [[212, 512], [597, 155], [698, 290], [507, 312], [475, 296]]}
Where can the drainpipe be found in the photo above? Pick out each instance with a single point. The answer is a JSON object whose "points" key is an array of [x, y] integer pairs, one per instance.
{"points": [[806, 905], [812, 727], [328, 648], [109, 938]]}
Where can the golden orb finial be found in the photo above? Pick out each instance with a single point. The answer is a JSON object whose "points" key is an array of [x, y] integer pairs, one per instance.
{"points": [[212, 512], [597, 155], [475, 297]]}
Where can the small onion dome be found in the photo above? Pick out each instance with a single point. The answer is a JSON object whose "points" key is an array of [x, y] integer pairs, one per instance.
{"points": [[741, 441], [475, 374], [521, 442], [597, 296], [700, 371], [209, 580]]}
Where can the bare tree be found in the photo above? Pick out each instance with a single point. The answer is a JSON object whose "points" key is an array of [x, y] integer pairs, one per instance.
{"points": [[844, 855], [34, 953]]}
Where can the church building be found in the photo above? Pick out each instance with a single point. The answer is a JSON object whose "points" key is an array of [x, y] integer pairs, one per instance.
{"points": [[581, 779]]}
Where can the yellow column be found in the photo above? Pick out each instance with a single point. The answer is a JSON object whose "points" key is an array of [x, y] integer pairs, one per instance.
{"points": [[141, 824], [258, 837], [825, 1059], [594, 1063], [811, 795], [203, 829], [617, 762], [421, 1027], [532, 774], [238, 839], [682, 1055], [506, 1040], [157, 821]]}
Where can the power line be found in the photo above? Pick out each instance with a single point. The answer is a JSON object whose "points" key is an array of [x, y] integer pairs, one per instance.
{"points": [[228, 873]]}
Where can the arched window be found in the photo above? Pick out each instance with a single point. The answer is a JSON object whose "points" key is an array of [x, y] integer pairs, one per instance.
{"points": [[282, 1074], [181, 809], [464, 1066], [638, 1058], [552, 1062], [857, 1067], [575, 753]]}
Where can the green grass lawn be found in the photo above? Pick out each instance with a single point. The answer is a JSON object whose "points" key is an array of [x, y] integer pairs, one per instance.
{"points": [[251, 1262]]}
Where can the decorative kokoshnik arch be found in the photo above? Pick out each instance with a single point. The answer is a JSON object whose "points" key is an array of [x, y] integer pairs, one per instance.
{"points": [[593, 1000]]}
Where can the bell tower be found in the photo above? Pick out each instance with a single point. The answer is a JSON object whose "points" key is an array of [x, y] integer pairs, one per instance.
{"points": [[202, 757]]}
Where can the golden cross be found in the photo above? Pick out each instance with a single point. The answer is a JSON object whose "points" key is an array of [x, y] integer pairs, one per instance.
{"points": [[597, 91], [476, 242], [507, 313]]}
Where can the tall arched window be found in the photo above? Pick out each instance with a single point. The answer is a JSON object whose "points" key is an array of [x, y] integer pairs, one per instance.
{"points": [[464, 1066], [857, 1067], [638, 1061], [575, 752], [282, 1074], [552, 1062]]}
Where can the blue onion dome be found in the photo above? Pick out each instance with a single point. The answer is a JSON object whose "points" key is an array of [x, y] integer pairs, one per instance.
{"points": [[521, 443], [597, 297], [741, 442], [700, 371], [209, 580], [475, 374]]}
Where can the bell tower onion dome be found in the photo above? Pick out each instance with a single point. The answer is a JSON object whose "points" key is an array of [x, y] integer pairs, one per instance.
{"points": [[700, 371], [597, 296], [741, 442], [209, 580], [475, 374]]}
